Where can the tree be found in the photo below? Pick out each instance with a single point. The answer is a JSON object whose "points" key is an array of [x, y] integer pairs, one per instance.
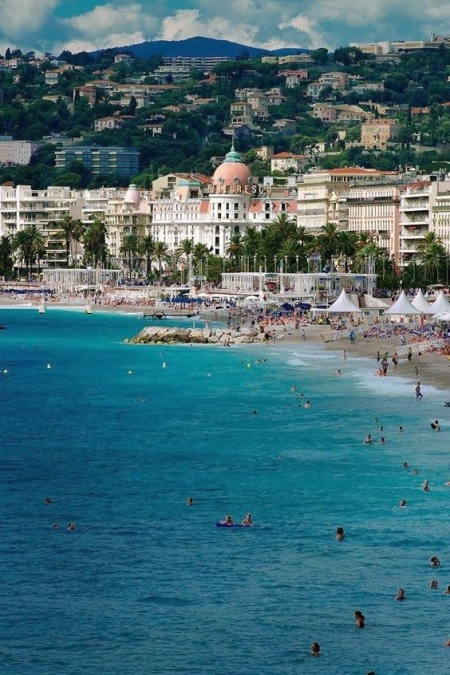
{"points": [[146, 247], [160, 254], [235, 248], [6, 256], [320, 56], [328, 241], [94, 240], [69, 227], [130, 248]]}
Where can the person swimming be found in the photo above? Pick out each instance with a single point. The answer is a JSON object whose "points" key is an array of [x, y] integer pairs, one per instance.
{"points": [[339, 533], [382, 440], [400, 594], [435, 425], [47, 500], [228, 521], [447, 591], [71, 527], [368, 439], [248, 520], [434, 584], [360, 620], [315, 649], [307, 404], [434, 561], [190, 501], [402, 503]]}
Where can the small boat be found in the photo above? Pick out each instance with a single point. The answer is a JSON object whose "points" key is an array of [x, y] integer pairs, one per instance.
{"points": [[41, 308]]}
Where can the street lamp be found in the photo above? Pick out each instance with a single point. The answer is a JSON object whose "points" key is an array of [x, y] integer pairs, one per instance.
{"points": [[286, 264], [274, 263], [296, 262]]}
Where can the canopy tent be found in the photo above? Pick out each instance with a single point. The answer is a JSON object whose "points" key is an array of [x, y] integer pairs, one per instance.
{"points": [[421, 304], [441, 304], [343, 305], [444, 316], [403, 306]]}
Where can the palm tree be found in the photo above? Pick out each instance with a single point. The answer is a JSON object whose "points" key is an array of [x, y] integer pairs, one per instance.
{"points": [[130, 247], [146, 249], [94, 240], [6, 256], [347, 246], [290, 251], [69, 227], [328, 241], [200, 255], [185, 250], [30, 245], [160, 254], [235, 248]]}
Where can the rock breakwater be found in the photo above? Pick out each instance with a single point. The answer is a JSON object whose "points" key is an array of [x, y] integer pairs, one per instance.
{"points": [[209, 336]]}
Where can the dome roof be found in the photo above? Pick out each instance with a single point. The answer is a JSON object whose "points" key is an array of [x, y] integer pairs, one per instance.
{"points": [[132, 196], [232, 170]]}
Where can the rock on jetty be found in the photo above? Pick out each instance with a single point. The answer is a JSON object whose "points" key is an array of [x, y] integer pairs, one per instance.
{"points": [[207, 336]]}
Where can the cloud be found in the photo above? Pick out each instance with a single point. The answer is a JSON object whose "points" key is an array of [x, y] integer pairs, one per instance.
{"points": [[54, 25], [19, 18]]}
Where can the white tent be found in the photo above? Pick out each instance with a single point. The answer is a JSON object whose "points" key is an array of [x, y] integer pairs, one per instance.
{"points": [[343, 305], [441, 304], [402, 306], [444, 316], [421, 304]]}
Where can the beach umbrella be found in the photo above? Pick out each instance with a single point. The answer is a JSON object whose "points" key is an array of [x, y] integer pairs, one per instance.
{"points": [[402, 307], [441, 304], [343, 305], [421, 304], [443, 316]]}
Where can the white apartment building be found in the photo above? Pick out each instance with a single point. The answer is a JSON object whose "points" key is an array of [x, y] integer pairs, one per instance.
{"points": [[321, 196], [441, 218], [129, 215], [21, 207], [16, 152], [416, 215]]}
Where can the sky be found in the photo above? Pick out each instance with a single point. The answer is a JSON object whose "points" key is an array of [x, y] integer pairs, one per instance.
{"points": [[54, 25]]}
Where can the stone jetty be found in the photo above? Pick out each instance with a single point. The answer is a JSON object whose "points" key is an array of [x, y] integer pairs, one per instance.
{"points": [[207, 336]]}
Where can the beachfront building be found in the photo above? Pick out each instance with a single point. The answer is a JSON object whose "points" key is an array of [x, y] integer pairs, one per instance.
{"points": [[210, 211], [321, 196], [21, 207], [416, 215], [441, 218], [126, 216]]}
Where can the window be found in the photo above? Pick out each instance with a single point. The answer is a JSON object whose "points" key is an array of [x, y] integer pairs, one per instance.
{"points": [[217, 251], [236, 216], [217, 241], [217, 229], [236, 206], [219, 207], [219, 216], [227, 207], [237, 229]]}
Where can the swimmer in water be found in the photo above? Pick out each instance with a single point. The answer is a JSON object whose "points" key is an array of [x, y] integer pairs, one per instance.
{"points": [[425, 486], [435, 562], [47, 500], [415, 472], [447, 484], [307, 404], [402, 503], [434, 584], [56, 526], [71, 527], [447, 591], [382, 440], [338, 372], [435, 425], [400, 594], [315, 649], [401, 429], [228, 521], [360, 620], [405, 465], [248, 520], [190, 501], [368, 439], [339, 533]]}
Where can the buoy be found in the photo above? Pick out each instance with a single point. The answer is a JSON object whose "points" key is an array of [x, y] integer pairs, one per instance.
{"points": [[249, 365], [5, 371], [130, 372], [164, 364], [49, 366]]}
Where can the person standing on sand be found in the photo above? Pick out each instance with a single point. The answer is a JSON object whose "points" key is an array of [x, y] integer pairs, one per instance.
{"points": [[409, 357], [419, 395]]}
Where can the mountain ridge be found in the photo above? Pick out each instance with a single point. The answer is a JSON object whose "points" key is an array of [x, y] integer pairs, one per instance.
{"points": [[199, 46]]}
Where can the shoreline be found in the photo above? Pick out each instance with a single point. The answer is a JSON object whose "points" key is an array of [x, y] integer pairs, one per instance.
{"points": [[433, 368]]}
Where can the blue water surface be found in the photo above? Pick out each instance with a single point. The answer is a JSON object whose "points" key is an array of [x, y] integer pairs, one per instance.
{"points": [[120, 435]]}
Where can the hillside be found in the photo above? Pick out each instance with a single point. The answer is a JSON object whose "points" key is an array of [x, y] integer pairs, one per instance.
{"points": [[198, 46]]}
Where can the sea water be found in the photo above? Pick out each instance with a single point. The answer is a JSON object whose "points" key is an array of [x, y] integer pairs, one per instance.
{"points": [[118, 436]]}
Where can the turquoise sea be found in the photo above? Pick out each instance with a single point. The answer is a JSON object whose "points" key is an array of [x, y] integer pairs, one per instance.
{"points": [[148, 585]]}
